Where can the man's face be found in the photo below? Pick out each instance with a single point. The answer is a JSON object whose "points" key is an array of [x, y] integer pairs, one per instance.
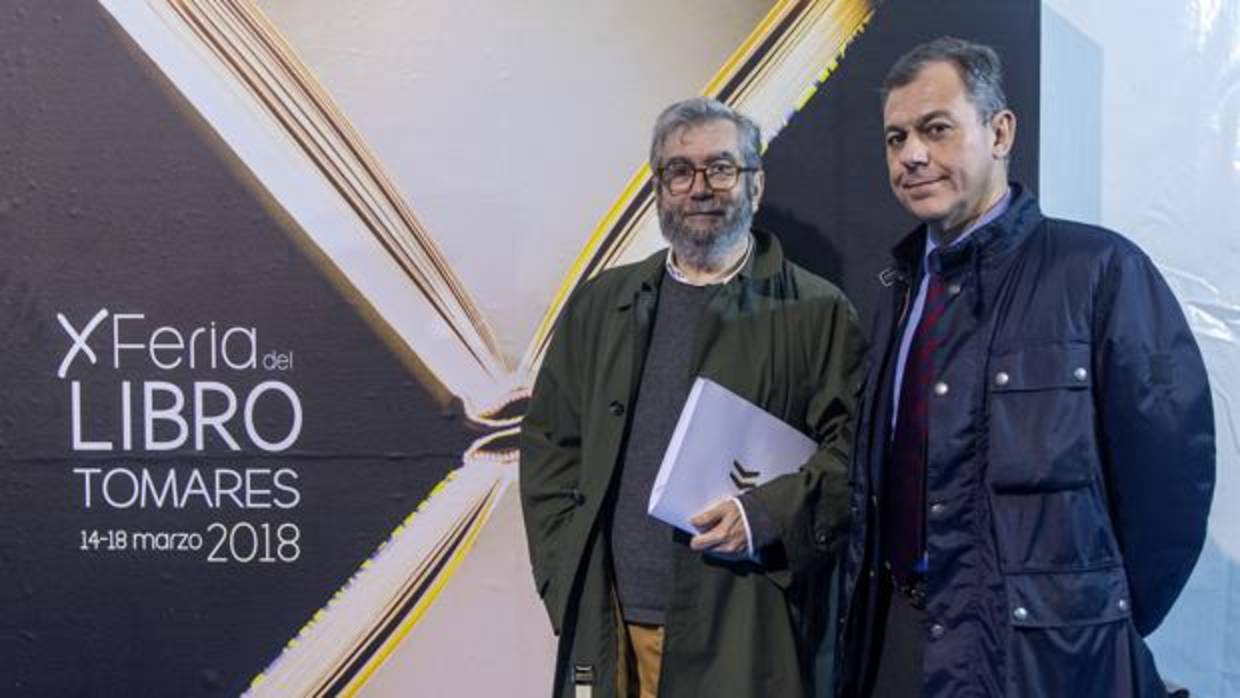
{"points": [[702, 222], [945, 164]]}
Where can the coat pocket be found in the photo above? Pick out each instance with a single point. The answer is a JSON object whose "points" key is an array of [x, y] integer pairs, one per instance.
{"points": [[1067, 599], [549, 578], [1041, 418], [1069, 633]]}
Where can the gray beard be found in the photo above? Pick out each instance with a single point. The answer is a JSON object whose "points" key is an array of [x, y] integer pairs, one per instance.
{"points": [[707, 253]]}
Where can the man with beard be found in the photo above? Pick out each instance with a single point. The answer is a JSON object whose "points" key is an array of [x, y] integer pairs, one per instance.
{"points": [[640, 608]]}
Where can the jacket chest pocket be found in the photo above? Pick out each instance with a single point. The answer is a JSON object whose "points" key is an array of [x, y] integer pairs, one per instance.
{"points": [[1041, 419], [1045, 477]]}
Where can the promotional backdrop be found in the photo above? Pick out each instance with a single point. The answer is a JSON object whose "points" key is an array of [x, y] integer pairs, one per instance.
{"points": [[279, 274]]}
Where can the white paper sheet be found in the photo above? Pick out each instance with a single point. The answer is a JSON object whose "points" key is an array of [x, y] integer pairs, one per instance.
{"points": [[723, 445]]}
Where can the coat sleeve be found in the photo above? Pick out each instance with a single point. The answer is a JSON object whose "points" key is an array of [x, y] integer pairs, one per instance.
{"points": [[809, 508], [550, 464], [1156, 432]]}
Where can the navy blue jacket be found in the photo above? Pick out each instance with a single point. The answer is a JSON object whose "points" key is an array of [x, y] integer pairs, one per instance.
{"points": [[1070, 466]]}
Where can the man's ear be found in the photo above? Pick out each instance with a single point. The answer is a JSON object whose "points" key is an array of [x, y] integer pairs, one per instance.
{"points": [[1003, 124], [757, 185]]}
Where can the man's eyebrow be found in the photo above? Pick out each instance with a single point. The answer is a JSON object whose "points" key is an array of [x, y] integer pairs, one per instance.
{"points": [[936, 114], [920, 122], [712, 157], [720, 155]]}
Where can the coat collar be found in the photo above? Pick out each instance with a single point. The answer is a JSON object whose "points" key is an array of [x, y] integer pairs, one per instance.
{"points": [[767, 259], [992, 242]]}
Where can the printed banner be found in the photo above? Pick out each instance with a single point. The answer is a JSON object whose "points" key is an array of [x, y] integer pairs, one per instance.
{"points": [[278, 276]]}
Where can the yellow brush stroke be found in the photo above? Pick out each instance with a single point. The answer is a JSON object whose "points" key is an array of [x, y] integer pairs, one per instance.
{"points": [[366, 564], [397, 637], [742, 52]]}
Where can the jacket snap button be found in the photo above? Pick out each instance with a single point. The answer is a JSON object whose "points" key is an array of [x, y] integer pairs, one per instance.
{"points": [[1123, 604], [578, 498], [953, 289], [940, 388], [1019, 613], [1080, 374], [1001, 379], [937, 509], [616, 408], [937, 630]]}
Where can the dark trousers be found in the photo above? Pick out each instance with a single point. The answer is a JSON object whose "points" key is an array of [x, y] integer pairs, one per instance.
{"points": [[900, 649]]}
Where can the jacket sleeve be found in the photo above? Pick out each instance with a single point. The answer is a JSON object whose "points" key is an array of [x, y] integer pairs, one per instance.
{"points": [[1156, 432], [550, 463], [809, 508]]}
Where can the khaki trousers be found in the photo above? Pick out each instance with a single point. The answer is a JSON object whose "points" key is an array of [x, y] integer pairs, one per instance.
{"points": [[641, 657]]}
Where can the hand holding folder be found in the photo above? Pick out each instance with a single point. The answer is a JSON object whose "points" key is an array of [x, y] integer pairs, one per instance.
{"points": [[723, 446]]}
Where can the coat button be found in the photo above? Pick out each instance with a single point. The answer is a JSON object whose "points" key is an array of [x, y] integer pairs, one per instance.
{"points": [[616, 408], [940, 388], [937, 509], [1123, 605], [937, 630], [1080, 373], [953, 289], [1002, 379], [1020, 613], [578, 498], [874, 500], [821, 538]]}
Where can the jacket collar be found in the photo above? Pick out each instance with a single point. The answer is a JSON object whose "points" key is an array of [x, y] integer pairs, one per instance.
{"points": [[767, 259], [992, 242]]}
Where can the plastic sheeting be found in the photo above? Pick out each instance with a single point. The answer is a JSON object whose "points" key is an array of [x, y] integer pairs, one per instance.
{"points": [[1141, 134]]}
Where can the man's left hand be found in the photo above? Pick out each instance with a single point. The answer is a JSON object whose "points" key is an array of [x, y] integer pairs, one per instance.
{"points": [[722, 530]]}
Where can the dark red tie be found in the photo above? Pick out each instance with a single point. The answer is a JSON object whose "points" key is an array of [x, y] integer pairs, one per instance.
{"points": [[904, 482]]}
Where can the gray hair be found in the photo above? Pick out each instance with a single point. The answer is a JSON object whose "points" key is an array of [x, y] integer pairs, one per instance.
{"points": [[978, 65], [700, 110]]}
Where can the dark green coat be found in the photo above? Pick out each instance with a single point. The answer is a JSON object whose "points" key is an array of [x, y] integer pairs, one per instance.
{"points": [[776, 335]]}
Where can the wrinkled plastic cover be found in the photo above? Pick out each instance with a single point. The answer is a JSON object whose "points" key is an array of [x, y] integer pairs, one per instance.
{"points": [[1141, 133]]}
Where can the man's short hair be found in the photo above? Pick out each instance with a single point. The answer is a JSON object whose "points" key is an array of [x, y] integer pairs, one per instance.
{"points": [[700, 110], [978, 65]]}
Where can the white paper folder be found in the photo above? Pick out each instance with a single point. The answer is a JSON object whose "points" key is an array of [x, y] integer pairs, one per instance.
{"points": [[723, 445]]}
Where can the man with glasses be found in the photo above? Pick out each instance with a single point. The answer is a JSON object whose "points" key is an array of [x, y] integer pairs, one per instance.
{"points": [[640, 608]]}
